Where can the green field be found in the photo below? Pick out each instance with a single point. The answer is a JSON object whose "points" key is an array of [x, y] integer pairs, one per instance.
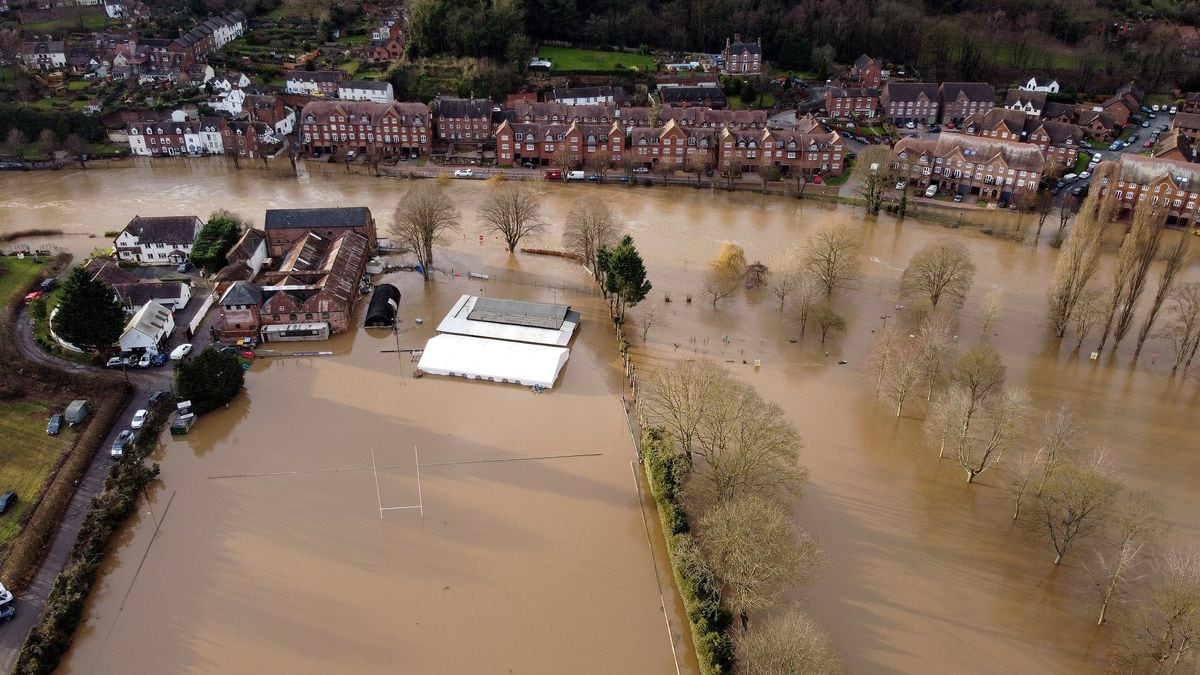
{"points": [[92, 21], [567, 58], [13, 275], [26, 456], [766, 101]]}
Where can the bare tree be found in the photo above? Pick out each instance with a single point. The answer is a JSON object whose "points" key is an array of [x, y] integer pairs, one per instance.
{"points": [[1077, 262], [590, 225], [512, 211], [756, 553], [1134, 258], [788, 644], [423, 217], [1090, 310], [1175, 261], [677, 398], [876, 165], [10, 45], [1073, 503], [833, 256], [827, 319], [1183, 331], [1138, 518], [1061, 432], [902, 374], [746, 445], [804, 299], [935, 346], [16, 141], [981, 375], [887, 343], [599, 162], [76, 147], [647, 318], [1022, 476], [990, 310], [1043, 206], [939, 272], [998, 429], [565, 159], [785, 277], [1168, 629]]}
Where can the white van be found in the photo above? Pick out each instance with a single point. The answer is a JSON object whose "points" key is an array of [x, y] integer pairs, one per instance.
{"points": [[1068, 178], [931, 191], [575, 175]]}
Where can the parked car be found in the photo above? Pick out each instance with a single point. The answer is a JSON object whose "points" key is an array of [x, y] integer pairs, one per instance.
{"points": [[576, 175], [181, 351], [117, 362], [1148, 144], [931, 191], [6, 595], [122, 443], [139, 419], [145, 361], [30, 297], [910, 125], [7, 500], [846, 135], [48, 284], [900, 185], [935, 129], [464, 173], [1080, 191], [958, 199], [7, 612], [1173, 110], [54, 425], [552, 174], [593, 177], [1131, 139], [1085, 175], [1155, 107], [158, 359], [184, 267], [1096, 157], [1069, 178], [159, 396], [642, 169], [316, 154], [862, 139], [1114, 146]]}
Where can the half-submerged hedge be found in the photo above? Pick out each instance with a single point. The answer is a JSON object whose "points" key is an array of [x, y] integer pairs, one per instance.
{"points": [[52, 634], [697, 584]]}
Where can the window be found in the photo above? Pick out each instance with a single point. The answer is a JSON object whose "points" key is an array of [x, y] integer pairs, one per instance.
{"points": [[291, 317]]}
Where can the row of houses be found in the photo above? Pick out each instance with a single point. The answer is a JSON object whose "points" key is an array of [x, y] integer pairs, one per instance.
{"points": [[912, 102], [173, 135], [335, 84], [991, 168]]}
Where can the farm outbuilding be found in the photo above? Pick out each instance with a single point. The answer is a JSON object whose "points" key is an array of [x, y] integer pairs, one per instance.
{"points": [[381, 313]]}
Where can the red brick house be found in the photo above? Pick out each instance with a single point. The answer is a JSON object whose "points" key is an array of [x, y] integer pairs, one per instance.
{"points": [[1191, 103], [846, 102], [1059, 141], [963, 164], [464, 120], [1169, 184], [743, 58], [1126, 102], [284, 227], [239, 315], [867, 72], [804, 154], [1187, 124], [395, 129], [245, 138], [543, 144], [960, 100], [386, 49], [673, 145], [1098, 124], [1174, 145], [916, 102]]}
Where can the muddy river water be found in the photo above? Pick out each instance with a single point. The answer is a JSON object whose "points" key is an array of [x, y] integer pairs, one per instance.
{"points": [[272, 555]]}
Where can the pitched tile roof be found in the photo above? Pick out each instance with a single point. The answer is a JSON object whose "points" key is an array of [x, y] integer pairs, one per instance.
{"points": [[316, 219], [463, 108], [1185, 120], [1020, 156], [909, 91], [242, 293], [165, 229], [975, 91], [1018, 97], [314, 76]]}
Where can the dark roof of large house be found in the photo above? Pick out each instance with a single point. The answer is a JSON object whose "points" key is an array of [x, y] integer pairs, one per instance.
{"points": [[739, 47], [245, 247], [109, 272], [1186, 120], [315, 75], [851, 92], [317, 219], [862, 62], [910, 91], [242, 293], [138, 294], [372, 85], [164, 229], [975, 91], [1055, 109], [1020, 97], [464, 108], [684, 94]]}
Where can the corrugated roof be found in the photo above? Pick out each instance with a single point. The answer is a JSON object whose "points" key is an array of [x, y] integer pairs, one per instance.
{"points": [[315, 219], [519, 313], [149, 320]]}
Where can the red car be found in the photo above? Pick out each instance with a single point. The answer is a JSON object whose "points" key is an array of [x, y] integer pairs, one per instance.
{"points": [[817, 179], [1148, 144], [553, 174], [36, 295]]}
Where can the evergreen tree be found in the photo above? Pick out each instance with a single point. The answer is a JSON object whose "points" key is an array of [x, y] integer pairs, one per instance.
{"points": [[210, 380], [89, 315], [626, 275], [217, 236]]}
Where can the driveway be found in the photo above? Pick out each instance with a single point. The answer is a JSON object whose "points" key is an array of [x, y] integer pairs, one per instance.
{"points": [[32, 600]]}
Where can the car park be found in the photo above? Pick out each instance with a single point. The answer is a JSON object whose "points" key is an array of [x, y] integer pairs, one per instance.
{"points": [[181, 351], [464, 173], [139, 419], [54, 425], [7, 500]]}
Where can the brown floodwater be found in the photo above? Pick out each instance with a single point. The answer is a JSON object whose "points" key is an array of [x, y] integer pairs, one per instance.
{"points": [[542, 565]]}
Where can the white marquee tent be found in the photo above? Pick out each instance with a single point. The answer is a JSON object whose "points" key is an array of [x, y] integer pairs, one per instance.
{"points": [[496, 360]]}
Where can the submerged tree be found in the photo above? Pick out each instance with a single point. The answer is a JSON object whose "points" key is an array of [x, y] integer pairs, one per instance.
{"points": [[788, 644], [423, 217], [1137, 518], [1077, 263], [1134, 258], [1167, 630], [1183, 331], [590, 226], [624, 274], [833, 256], [1174, 262], [1073, 503], [726, 273], [512, 210], [939, 272]]}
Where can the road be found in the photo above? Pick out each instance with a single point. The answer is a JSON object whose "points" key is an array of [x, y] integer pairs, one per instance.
{"points": [[32, 600]]}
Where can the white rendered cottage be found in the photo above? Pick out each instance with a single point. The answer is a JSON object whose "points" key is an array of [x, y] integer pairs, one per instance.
{"points": [[159, 240]]}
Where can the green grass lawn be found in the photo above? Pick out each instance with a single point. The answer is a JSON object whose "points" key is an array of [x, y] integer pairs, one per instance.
{"points": [[26, 455], [350, 68], [92, 21], [13, 275], [847, 169], [767, 101], [77, 85], [1081, 163], [569, 58]]}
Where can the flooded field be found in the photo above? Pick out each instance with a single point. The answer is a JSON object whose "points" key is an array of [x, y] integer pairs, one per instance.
{"points": [[542, 565]]}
